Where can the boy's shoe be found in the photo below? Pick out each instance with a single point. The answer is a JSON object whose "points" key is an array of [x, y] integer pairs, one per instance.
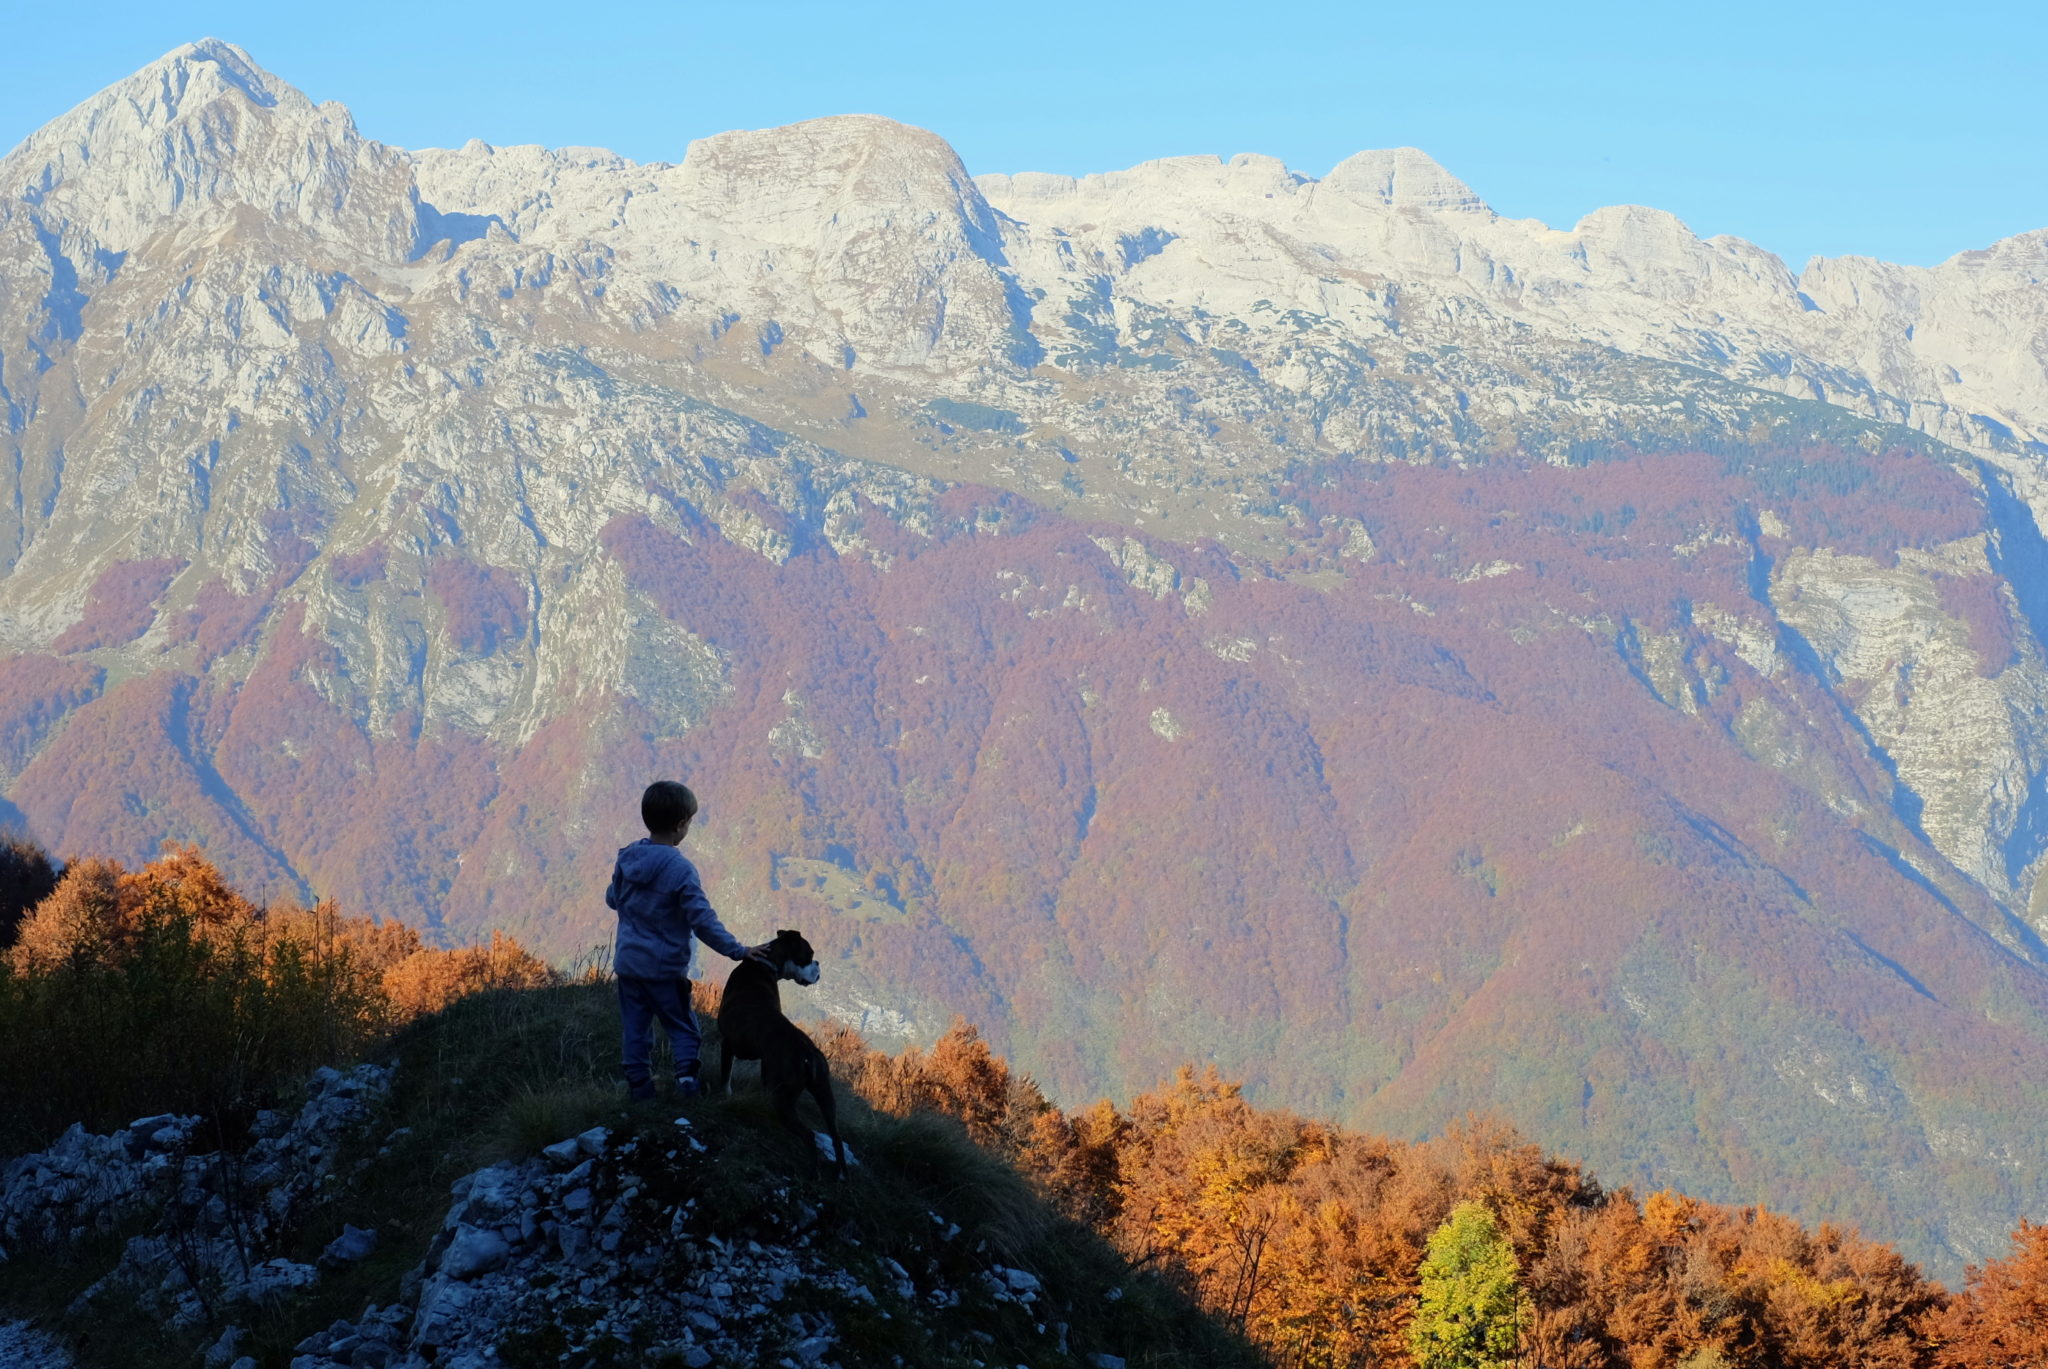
{"points": [[640, 1093], [687, 1086]]}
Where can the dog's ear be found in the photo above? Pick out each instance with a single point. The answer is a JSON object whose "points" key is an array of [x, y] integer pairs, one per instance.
{"points": [[784, 934]]}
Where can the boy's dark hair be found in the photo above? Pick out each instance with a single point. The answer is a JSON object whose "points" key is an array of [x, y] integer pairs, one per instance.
{"points": [[667, 804]]}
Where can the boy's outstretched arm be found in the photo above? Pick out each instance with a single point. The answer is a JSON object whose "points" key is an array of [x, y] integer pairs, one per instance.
{"points": [[702, 919]]}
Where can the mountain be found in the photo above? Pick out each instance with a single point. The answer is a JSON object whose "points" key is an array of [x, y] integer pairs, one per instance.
{"points": [[1428, 662]]}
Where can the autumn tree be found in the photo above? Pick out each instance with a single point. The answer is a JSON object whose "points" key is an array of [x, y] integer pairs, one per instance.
{"points": [[1328, 1247], [1471, 1311], [967, 1080], [2000, 1319], [1073, 1158], [82, 919]]}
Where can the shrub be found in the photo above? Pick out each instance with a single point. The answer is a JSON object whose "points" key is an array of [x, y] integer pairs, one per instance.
{"points": [[155, 1011], [429, 980], [129, 992]]}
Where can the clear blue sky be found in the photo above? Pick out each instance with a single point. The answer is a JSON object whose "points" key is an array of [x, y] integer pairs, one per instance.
{"points": [[1902, 131]]}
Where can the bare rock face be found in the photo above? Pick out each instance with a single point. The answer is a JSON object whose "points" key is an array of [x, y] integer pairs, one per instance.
{"points": [[1962, 722], [23, 1345], [1930, 348], [1001, 551], [198, 136], [215, 1212]]}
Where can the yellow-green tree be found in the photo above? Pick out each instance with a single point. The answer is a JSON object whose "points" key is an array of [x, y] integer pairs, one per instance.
{"points": [[1470, 1315]]}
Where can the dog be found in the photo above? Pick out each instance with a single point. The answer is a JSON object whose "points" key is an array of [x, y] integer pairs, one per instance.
{"points": [[751, 1027]]}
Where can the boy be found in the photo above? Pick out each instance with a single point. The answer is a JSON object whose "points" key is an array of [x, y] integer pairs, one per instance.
{"points": [[661, 905]]}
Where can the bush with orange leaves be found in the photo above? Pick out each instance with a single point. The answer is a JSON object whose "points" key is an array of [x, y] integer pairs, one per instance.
{"points": [[2001, 1316], [81, 920], [429, 980], [163, 988]]}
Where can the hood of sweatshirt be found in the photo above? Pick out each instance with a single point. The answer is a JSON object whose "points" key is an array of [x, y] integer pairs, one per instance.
{"points": [[651, 865]]}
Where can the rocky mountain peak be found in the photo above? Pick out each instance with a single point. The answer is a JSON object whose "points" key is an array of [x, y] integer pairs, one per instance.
{"points": [[203, 128], [226, 64], [1404, 178], [801, 182], [871, 232], [176, 86], [1202, 184]]}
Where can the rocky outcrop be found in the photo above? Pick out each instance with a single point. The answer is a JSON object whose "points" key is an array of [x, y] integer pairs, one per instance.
{"points": [[24, 1347], [606, 1246], [1960, 708], [215, 1216]]}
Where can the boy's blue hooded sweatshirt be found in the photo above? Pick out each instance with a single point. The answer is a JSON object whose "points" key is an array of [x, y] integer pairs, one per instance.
{"points": [[661, 904]]}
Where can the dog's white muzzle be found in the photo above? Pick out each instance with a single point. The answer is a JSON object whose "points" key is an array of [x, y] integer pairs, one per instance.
{"points": [[802, 974]]}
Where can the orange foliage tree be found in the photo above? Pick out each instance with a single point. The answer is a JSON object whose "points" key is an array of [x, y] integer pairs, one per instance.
{"points": [[2000, 1319]]}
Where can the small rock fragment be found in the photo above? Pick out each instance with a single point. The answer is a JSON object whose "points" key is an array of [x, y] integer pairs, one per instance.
{"points": [[351, 1246], [474, 1252]]}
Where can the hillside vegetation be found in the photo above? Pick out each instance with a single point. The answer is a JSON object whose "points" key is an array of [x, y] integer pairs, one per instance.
{"points": [[1315, 1243], [164, 989]]}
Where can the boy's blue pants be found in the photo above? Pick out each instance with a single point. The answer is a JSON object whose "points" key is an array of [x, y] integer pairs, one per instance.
{"points": [[641, 1001]]}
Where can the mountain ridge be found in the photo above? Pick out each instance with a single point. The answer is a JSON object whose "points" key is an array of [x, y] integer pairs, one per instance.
{"points": [[1636, 236]]}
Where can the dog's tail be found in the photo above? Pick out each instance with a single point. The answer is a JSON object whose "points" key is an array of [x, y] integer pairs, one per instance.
{"points": [[820, 1086]]}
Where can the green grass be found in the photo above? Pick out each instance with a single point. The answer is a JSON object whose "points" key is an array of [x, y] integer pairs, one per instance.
{"points": [[499, 1075]]}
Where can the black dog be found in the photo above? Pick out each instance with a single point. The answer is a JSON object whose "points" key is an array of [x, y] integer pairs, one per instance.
{"points": [[751, 1027]]}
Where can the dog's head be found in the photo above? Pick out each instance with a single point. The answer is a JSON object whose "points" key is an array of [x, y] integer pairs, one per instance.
{"points": [[791, 955]]}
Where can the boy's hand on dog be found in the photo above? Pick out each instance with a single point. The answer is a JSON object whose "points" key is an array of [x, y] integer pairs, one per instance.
{"points": [[759, 954]]}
